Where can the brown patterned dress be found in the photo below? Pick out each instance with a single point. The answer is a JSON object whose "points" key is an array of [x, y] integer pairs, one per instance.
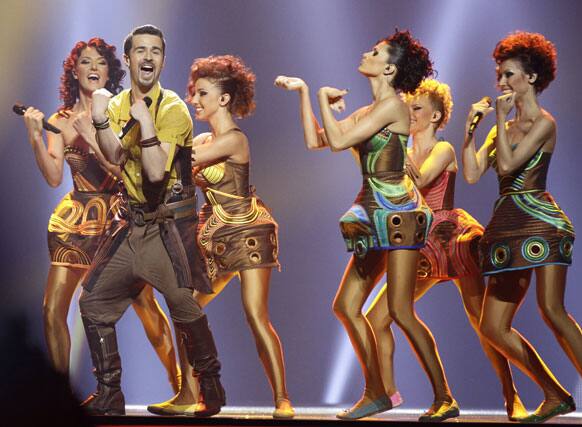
{"points": [[528, 229], [236, 230], [82, 216]]}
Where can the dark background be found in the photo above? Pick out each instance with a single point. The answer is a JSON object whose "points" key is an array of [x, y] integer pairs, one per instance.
{"points": [[321, 41]]}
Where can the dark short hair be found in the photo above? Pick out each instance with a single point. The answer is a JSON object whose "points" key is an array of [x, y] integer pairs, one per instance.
{"points": [[411, 58], [535, 53], [143, 29]]}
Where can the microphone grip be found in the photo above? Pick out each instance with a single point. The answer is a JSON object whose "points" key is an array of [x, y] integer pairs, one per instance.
{"points": [[476, 119], [47, 126], [131, 122], [21, 109]]}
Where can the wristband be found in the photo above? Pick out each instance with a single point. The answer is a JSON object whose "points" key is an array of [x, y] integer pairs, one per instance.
{"points": [[150, 142], [102, 125]]}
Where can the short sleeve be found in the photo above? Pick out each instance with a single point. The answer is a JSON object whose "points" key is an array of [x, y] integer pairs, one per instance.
{"points": [[175, 125]]}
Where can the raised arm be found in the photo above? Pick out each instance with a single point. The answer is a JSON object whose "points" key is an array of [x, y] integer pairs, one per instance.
{"points": [[82, 124], [313, 134], [108, 142], [475, 163], [50, 157], [439, 159], [542, 131], [362, 126]]}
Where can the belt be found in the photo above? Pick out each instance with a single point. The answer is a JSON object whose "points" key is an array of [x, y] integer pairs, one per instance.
{"points": [[142, 214]]}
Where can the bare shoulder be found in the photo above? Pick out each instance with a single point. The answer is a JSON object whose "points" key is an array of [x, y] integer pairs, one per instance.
{"points": [[392, 104], [547, 120], [234, 137]]}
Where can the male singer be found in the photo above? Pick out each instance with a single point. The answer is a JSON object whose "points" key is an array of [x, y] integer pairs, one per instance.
{"points": [[148, 131]]}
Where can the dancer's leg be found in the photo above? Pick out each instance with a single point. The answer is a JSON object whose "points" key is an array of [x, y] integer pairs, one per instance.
{"points": [[381, 323], [60, 287], [255, 299], [359, 279], [503, 297], [401, 284], [157, 328], [472, 290], [550, 289]]}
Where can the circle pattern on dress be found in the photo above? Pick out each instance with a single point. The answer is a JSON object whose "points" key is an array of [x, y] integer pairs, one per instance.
{"points": [[566, 248], [535, 249], [500, 255]]}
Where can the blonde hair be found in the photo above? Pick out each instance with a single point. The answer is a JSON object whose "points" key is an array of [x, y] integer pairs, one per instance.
{"points": [[439, 95]]}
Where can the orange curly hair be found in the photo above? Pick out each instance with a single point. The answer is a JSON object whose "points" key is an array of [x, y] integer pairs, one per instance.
{"points": [[232, 76]]}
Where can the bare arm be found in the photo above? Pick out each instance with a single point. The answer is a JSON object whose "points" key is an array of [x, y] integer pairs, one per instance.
{"points": [[108, 142], [475, 163], [543, 130], [379, 115], [441, 156], [231, 145], [82, 124], [313, 134], [49, 158]]}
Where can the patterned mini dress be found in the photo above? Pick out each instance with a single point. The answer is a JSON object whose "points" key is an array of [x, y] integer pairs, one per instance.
{"points": [[236, 230], [452, 247], [80, 219], [389, 211], [528, 229]]}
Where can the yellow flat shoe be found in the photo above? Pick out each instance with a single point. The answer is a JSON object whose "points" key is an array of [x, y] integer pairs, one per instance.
{"points": [[284, 412], [168, 408]]}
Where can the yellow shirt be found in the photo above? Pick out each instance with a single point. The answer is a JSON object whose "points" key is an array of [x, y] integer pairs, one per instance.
{"points": [[173, 125]]}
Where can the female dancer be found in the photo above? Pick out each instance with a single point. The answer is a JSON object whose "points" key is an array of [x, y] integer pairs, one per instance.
{"points": [[528, 230], [237, 234], [451, 251], [84, 214], [388, 222]]}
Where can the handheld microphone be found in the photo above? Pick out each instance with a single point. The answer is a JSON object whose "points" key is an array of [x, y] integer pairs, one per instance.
{"points": [[131, 122], [21, 109], [478, 116]]}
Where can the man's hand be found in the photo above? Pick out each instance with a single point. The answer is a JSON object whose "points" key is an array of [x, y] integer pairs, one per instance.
{"points": [[139, 111], [99, 104]]}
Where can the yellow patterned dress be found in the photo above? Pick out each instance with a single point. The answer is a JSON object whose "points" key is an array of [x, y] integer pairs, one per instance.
{"points": [[236, 230], [82, 216]]}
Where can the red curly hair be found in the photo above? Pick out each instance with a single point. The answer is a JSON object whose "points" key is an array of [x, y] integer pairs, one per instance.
{"points": [[536, 54], [232, 76], [69, 90]]}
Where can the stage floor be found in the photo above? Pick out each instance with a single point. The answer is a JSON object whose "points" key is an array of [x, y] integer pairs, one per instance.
{"points": [[305, 416]]}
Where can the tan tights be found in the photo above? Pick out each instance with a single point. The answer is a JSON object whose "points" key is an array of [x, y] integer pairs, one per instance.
{"points": [[471, 289], [255, 298], [504, 295], [359, 279]]}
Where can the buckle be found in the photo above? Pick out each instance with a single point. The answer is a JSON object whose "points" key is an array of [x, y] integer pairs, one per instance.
{"points": [[137, 215], [177, 188]]}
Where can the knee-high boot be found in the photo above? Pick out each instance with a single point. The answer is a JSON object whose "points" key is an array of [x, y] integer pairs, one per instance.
{"points": [[203, 356], [108, 398]]}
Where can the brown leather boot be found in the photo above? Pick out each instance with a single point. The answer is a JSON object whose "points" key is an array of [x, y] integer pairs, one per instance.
{"points": [[203, 356], [108, 398]]}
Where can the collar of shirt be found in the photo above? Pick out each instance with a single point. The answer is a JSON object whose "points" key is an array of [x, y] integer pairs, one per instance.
{"points": [[126, 102]]}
